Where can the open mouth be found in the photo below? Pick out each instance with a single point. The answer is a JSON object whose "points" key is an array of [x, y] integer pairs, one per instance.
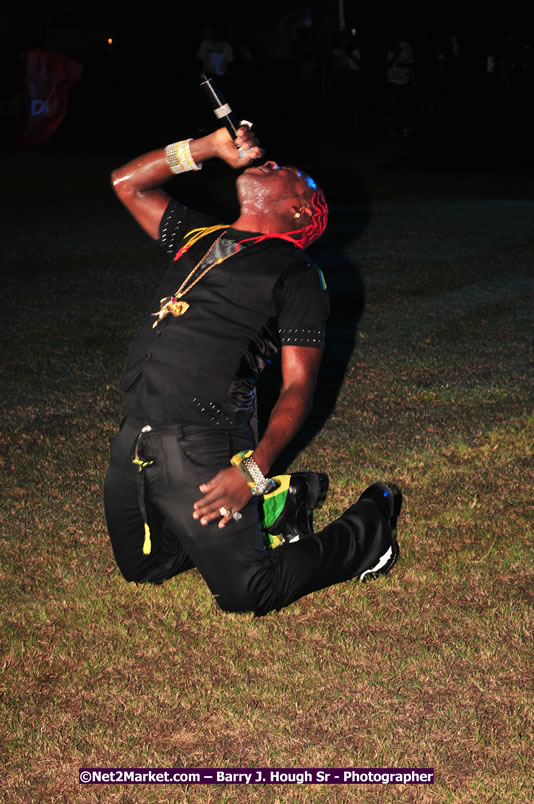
{"points": [[258, 169], [268, 167]]}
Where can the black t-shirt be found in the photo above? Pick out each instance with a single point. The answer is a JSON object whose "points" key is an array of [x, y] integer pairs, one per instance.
{"points": [[201, 367]]}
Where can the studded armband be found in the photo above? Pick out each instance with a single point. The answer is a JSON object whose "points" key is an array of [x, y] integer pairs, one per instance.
{"points": [[252, 473]]}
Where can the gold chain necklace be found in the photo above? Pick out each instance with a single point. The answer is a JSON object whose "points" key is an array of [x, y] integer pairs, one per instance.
{"points": [[172, 305]]}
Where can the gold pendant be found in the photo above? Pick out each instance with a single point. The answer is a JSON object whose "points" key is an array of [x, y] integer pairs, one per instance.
{"points": [[173, 307], [177, 308]]}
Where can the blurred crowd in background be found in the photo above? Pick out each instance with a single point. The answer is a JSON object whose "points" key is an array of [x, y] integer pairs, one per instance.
{"points": [[372, 80]]}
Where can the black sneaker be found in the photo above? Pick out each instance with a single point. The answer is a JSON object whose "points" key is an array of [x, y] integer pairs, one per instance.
{"points": [[307, 491], [388, 500]]}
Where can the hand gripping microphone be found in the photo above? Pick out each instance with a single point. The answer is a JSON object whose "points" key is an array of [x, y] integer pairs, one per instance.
{"points": [[221, 108]]}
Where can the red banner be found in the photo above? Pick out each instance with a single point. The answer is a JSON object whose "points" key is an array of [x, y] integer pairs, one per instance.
{"points": [[43, 97]]}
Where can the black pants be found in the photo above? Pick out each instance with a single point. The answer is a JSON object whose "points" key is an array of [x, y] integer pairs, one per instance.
{"points": [[241, 574]]}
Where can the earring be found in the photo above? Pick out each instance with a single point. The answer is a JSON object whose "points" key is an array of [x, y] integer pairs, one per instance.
{"points": [[296, 215]]}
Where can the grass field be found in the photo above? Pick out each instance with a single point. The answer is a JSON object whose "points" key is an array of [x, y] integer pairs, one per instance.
{"points": [[428, 667]]}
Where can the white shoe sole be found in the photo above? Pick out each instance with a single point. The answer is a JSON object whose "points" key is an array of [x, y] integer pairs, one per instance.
{"points": [[382, 561]]}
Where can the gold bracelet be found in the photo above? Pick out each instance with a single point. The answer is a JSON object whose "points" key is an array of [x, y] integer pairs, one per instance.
{"points": [[179, 159]]}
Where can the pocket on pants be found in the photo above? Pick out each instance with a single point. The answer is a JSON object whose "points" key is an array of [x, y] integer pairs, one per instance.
{"points": [[205, 453]]}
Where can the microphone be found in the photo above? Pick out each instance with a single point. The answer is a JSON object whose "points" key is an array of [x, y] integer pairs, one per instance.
{"points": [[221, 108]]}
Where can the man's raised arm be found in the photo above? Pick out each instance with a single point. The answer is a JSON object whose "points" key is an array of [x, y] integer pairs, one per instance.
{"points": [[138, 183]]}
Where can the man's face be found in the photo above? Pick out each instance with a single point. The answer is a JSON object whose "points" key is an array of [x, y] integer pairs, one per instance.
{"points": [[269, 184]]}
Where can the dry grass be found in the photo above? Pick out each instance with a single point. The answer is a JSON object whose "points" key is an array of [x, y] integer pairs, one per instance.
{"points": [[429, 667]]}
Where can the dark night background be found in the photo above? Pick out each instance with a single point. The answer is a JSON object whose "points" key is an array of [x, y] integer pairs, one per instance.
{"points": [[142, 90]]}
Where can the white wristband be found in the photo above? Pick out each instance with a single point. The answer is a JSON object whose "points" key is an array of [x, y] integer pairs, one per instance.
{"points": [[179, 159]]}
